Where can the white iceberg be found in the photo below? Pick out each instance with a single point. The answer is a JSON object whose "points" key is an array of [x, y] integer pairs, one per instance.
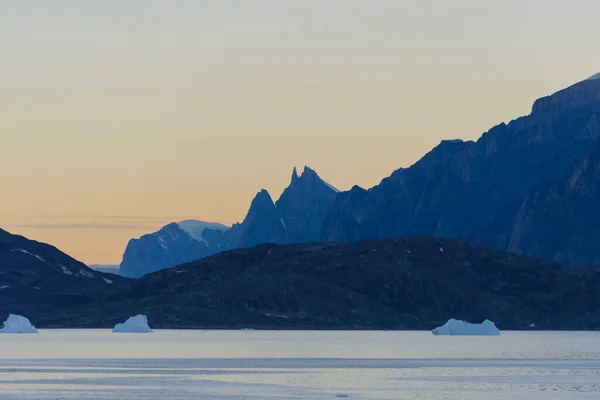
{"points": [[137, 324], [18, 324], [461, 328]]}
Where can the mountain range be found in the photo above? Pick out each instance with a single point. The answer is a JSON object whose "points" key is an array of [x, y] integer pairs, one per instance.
{"points": [[530, 187], [504, 228], [469, 190], [296, 217], [412, 283]]}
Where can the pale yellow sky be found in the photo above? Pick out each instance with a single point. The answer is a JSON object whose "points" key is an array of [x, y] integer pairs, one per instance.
{"points": [[119, 116]]}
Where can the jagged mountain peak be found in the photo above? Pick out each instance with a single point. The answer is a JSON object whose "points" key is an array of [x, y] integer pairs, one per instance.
{"points": [[308, 180], [310, 174], [262, 204], [262, 197], [308, 171], [295, 178]]}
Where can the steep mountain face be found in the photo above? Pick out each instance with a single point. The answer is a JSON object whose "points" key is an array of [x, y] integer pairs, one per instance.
{"points": [[559, 220], [459, 188], [304, 206], [172, 245], [36, 278], [297, 217], [484, 191], [262, 224], [415, 283]]}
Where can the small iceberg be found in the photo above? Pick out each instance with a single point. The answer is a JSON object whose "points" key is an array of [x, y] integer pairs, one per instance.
{"points": [[137, 324], [18, 324], [461, 328]]}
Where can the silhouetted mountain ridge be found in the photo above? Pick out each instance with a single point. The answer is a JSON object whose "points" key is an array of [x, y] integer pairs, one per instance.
{"points": [[460, 189], [296, 217], [38, 279], [413, 283]]}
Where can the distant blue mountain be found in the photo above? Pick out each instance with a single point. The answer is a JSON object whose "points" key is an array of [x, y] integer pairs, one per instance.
{"points": [[498, 190], [296, 217], [529, 186], [174, 244]]}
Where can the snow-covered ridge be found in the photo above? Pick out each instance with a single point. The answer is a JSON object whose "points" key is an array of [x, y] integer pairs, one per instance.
{"points": [[196, 228], [63, 269], [30, 254]]}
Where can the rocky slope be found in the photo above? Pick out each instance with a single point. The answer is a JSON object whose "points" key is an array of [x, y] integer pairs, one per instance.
{"points": [[296, 217], [174, 244], [559, 220], [37, 279], [413, 283], [485, 191], [460, 188]]}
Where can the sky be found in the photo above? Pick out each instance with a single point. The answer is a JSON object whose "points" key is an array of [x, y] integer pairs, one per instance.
{"points": [[119, 116]]}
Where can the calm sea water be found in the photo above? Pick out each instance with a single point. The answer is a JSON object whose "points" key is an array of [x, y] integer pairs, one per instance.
{"points": [[96, 364]]}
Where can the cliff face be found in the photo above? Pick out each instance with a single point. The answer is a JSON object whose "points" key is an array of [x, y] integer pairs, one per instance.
{"points": [[38, 280], [173, 244], [303, 205], [296, 217], [459, 188], [559, 220], [499, 190]]}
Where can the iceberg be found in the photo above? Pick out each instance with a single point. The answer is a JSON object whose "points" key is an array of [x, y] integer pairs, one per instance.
{"points": [[18, 324], [137, 324], [461, 328]]}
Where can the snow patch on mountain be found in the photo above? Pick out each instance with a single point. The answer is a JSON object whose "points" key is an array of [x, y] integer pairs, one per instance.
{"points": [[162, 242], [66, 270], [196, 228], [86, 274], [30, 254]]}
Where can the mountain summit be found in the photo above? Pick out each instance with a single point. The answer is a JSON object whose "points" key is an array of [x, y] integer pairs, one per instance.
{"points": [[173, 244], [297, 216], [463, 189], [501, 190]]}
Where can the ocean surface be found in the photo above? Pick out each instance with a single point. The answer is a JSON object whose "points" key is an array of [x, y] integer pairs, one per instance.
{"points": [[97, 364]]}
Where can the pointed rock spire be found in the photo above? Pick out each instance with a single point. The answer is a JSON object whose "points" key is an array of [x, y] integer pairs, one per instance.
{"points": [[308, 172], [295, 178]]}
